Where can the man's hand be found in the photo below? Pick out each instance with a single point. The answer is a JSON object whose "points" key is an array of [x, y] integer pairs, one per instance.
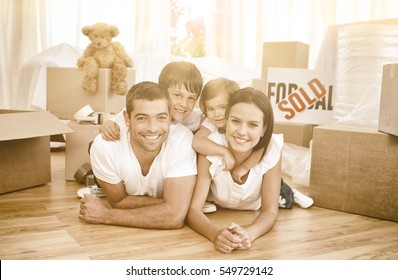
{"points": [[92, 210]]}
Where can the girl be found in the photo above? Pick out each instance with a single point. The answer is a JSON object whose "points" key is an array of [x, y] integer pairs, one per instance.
{"points": [[213, 102]]}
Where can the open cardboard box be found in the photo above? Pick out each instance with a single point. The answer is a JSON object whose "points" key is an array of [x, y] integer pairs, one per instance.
{"points": [[65, 95], [25, 148]]}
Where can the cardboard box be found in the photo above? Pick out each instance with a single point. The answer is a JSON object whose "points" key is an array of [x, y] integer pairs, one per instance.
{"points": [[285, 55], [355, 170], [25, 148], [65, 95], [260, 84], [77, 144], [295, 133], [388, 114]]}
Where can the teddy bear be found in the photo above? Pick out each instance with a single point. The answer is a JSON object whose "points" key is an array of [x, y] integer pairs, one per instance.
{"points": [[103, 53]]}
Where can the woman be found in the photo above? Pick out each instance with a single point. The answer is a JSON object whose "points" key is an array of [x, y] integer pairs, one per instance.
{"points": [[248, 129]]}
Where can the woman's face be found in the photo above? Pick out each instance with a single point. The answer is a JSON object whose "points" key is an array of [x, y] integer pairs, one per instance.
{"points": [[245, 127]]}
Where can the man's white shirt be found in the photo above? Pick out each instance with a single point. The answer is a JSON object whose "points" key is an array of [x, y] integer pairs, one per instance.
{"points": [[115, 161]]}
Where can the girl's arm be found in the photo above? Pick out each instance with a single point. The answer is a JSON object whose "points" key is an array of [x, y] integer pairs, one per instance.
{"points": [[270, 191], [223, 239], [205, 146], [239, 171]]}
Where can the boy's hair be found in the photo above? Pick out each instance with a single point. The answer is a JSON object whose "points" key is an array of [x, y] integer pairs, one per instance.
{"points": [[145, 90], [215, 87], [256, 97], [181, 73]]}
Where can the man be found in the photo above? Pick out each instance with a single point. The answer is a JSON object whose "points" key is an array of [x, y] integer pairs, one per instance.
{"points": [[149, 175]]}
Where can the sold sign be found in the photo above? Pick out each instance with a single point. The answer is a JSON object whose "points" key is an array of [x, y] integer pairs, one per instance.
{"points": [[301, 95], [298, 101]]}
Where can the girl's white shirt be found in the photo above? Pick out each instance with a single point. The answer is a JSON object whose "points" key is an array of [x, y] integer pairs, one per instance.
{"points": [[209, 125]]}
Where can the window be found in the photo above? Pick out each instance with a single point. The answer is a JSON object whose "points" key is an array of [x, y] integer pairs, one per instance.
{"points": [[187, 29]]}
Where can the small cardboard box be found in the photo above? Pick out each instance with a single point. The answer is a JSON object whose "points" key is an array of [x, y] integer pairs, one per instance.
{"points": [[65, 95], [355, 169], [295, 133], [25, 148], [388, 114], [77, 144], [285, 55]]}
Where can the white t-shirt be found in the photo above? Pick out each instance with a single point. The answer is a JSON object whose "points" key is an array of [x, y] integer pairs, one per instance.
{"points": [[115, 161], [192, 121], [209, 125], [228, 194]]}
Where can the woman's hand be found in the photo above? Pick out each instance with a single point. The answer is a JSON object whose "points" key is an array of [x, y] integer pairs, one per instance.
{"points": [[241, 233], [110, 131], [226, 241]]}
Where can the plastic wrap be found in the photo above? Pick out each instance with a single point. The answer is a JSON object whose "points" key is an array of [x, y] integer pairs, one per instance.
{"points": [[362, 50], [296, 163]]}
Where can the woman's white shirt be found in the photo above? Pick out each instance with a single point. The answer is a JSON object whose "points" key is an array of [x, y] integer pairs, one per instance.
{"points": [[228, 194]]}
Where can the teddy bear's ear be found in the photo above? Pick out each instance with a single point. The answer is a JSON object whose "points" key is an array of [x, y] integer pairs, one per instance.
{"points": [[114, 30], [87, 30]]}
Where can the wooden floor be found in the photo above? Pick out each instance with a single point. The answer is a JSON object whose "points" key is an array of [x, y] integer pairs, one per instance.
{"points": [[42, 223]]}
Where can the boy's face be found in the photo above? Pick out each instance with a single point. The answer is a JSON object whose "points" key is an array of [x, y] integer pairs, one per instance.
{"points": [[149, 124], [215, 109], [181, 102]]}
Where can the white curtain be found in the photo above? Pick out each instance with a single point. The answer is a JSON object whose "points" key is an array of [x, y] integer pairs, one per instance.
{"points": [[235, 29]]}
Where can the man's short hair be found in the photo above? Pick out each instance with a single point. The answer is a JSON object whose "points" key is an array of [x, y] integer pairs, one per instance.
{"points": [[145, 90], [181, 73]]}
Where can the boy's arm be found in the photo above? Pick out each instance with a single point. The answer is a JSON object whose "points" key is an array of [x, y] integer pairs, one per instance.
{"points": [[255, 157], [207, 147]]}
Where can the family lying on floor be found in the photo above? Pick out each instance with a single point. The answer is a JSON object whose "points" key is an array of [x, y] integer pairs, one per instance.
{"points": [[159, 164]]}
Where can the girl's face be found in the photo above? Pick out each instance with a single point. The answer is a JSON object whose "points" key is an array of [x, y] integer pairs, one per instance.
{"points": [[215, 109], [245, 127]]}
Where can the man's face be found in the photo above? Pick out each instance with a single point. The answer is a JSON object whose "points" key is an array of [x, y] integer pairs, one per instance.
{"points": [[149, 124], [181, 102]]}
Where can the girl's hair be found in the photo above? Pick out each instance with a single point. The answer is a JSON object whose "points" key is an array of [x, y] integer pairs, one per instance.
{"points": [[145, 90], [261, 101], [215, 87], [181, 73]]}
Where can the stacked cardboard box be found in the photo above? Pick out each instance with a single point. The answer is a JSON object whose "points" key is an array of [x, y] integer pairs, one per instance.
{"points": [[65, 97], [355, 169], [25, 148], [285, 55]]}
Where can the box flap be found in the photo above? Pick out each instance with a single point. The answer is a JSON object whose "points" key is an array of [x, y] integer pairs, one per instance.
{"points": [[23, 124]]}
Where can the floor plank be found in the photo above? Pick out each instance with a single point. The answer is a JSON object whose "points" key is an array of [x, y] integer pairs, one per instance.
{"points": [[42, 223]]}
